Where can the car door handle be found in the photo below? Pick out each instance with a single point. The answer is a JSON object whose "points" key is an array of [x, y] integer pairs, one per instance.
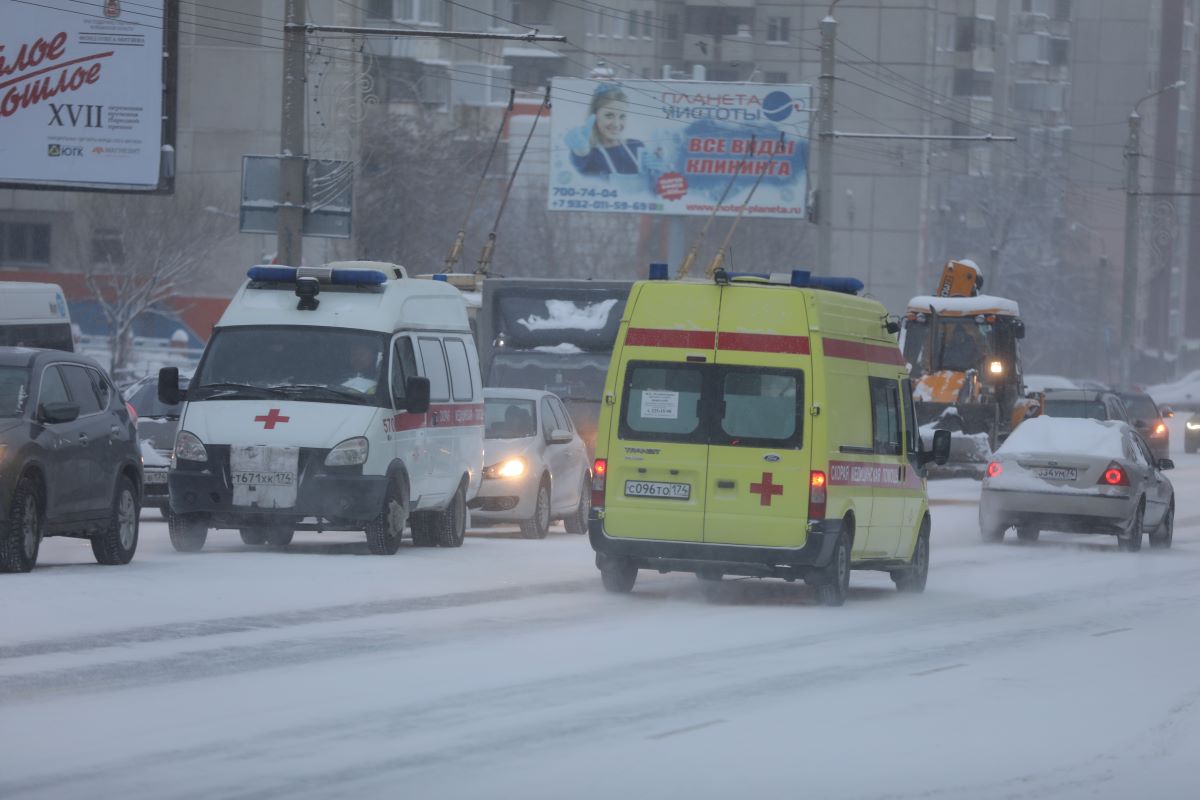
{"points": [[725, 484], [83, 438]]}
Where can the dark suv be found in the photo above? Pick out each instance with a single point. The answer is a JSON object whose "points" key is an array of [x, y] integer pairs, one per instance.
{"points": [[69, 462]]}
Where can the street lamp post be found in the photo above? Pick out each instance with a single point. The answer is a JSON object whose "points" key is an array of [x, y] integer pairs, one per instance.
{"points": [[1133, 232]]}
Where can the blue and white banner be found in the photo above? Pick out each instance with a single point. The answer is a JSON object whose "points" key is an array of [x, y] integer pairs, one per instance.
{"points": [[673, 147]]}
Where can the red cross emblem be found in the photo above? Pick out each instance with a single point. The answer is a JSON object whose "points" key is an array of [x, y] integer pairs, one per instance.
{"points": [[270, 418], [765, 490]]}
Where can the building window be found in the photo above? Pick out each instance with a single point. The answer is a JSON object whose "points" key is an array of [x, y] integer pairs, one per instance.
{"points": [[1060, 51], [429, 11], [671, 27], [647, 26], [1062, 10], [24, 243], [778, 29], [633, 23], [775, 77], [107, 246], [379, 9]]}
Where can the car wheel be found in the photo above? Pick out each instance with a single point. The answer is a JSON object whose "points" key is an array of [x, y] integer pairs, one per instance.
{"points": [[187, 531], [117, 542], [537, 526], [21, 536], [1028, 533], [1161, 537], [915, 577], [617, 574], [578, 521], [253, 536], [993, 534], [279, 535], [453, 527], [424, 528], [386, 530], [1131, 540], [834, 583]]}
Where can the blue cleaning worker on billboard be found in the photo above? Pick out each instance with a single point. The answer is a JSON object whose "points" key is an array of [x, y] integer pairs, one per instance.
{"points": [[599, 146]]}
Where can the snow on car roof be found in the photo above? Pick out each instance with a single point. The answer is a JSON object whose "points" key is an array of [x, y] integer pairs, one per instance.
{"points": [[961, 306], [1088, 437], [1040, 383]]}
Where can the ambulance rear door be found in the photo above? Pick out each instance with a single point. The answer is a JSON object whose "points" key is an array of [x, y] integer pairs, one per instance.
{"points": [[758, 461], [657, 449]]}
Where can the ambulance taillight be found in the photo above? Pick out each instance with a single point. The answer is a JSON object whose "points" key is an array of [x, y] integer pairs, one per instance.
{"points": [[599, 473], [816, 495]]}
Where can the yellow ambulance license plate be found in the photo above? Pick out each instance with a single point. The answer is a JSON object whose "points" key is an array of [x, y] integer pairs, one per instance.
{"points": [[668, 491]]}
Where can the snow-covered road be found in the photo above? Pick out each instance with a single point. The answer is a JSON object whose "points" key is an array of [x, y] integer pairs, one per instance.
{"points": [[1062, 669]]}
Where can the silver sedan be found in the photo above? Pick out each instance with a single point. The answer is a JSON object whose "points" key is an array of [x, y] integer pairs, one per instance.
{"points": [[1081, 476], [535, 465]]}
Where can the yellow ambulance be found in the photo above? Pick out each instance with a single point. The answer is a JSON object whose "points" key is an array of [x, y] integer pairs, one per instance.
{"points": [[760, 425]]}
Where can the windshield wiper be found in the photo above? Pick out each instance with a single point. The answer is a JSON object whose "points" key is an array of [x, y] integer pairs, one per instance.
{"points": [[332, 391], [229, 390]]}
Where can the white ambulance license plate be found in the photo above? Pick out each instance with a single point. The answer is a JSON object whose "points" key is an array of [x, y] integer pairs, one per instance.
{"points": [[670, 491], [1057, 473], [155, 477], [264, 478]]}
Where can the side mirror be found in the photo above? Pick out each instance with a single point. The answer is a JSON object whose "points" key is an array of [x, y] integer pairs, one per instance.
{"points": [[941, 447], [58, 412], [1166, 463], [1019, 329], [169, 392], [559, 436], [1167, 412], [416, 392]]}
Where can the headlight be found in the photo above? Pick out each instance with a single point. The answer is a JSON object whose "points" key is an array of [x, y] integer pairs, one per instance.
{"points": [[349, 453], [996, 367], [188, 447], [509, 468], [1193, 426]]}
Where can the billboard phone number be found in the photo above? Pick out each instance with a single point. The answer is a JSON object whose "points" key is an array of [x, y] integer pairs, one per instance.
{"points": [[605, 205]]}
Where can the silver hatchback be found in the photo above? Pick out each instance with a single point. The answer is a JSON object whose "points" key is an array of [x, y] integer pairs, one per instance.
{"points": [[1080, 476]]}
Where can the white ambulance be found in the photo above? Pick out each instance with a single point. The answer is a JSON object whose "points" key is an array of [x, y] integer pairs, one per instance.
{"points": [[344, 397]]}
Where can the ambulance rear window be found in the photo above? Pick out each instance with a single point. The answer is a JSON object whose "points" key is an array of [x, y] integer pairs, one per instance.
{"points": [[662, 402], [759, 406]]}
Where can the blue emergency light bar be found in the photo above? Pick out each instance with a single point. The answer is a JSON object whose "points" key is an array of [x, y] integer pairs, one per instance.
{"points": [[265, 273], [800, 278]]}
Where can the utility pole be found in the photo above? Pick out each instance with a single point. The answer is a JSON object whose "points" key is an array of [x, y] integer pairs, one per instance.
{"points": [[1132, 232], [291, 139], [825, 147]]}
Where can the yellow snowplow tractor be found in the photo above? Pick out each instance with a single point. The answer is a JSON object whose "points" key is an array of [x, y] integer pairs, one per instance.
{"points": [[962, 354]]}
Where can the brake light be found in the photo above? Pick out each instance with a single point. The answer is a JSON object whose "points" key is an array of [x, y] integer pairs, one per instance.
{"points": [[1114, 475], [816, 495], [994, 469], [133, 415], [599, 473]]}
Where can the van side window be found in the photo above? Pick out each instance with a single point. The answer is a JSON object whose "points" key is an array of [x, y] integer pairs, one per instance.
{"points": [[404, 366], [460, 370], [760, 406], [435, 369], [912, 434], [885, 415], [662, 402]]}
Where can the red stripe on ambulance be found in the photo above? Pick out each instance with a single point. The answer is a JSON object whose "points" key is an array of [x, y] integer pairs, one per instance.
{"points": [[449, 415]]}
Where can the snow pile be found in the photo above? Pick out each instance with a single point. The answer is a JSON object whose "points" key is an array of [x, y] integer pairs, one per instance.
{"points": [[564, 349], [1184, 393], [983, 304], [566, 314], [1085, 437], [1040, 383]]}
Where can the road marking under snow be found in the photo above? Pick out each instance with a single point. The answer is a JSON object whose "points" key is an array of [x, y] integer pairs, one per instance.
{"points": [[936, 669], [1110, 633], [688, 729]]}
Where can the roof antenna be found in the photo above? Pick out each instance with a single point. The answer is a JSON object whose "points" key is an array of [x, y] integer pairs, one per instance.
{"points": [[460, 239], [485, 258], [720, 256], [686, 266]]}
